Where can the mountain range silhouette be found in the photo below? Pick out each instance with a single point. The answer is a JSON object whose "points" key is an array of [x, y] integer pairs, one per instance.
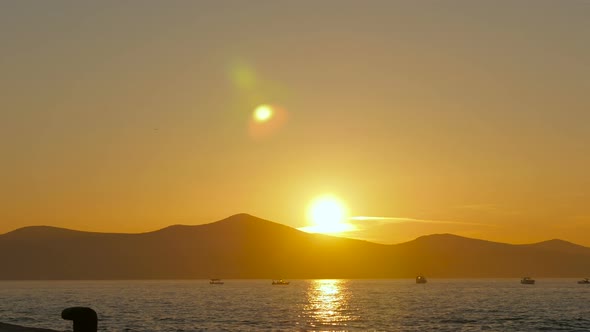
{"points": [[244, 246]]}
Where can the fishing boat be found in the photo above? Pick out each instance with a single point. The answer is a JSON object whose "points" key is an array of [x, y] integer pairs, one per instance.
{"points": [[280, 282], [584, 281], [527, 281], [420, 279], [216, 282]]}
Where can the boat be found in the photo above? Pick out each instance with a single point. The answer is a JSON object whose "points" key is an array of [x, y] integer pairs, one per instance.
{"points": [[527, 281], [421, 279], [280, 282], [584, 281], [216, 282]]}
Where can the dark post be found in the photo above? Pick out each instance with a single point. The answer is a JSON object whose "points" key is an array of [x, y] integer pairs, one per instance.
{"points": [[85, 319]]}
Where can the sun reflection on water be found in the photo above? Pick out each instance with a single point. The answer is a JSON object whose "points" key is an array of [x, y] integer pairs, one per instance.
{"points": [[328, 304]]}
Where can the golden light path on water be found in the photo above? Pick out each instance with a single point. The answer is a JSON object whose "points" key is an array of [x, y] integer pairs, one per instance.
{"points": [[328, 304]]}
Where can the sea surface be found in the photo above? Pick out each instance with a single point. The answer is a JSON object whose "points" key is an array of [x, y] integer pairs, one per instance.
{"points": [[304, 305]]}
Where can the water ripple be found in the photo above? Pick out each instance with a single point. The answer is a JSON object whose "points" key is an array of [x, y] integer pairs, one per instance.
{"points": [[305, 305]]}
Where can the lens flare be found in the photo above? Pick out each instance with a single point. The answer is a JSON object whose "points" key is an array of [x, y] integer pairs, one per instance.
{"points": [[243, 76], [266, 120], [263, 113]]}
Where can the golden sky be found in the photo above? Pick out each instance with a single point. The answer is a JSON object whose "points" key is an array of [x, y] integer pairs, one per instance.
{"points": [[464, 117]]}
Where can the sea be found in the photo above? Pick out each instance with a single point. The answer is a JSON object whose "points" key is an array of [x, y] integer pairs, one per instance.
{"points": [[304, 305]]}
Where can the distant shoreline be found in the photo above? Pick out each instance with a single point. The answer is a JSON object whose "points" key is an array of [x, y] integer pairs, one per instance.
{"points": [[247, 247]]}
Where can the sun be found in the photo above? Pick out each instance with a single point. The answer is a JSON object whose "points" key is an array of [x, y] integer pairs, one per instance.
{"points": [[328, 215], [327, 211]]}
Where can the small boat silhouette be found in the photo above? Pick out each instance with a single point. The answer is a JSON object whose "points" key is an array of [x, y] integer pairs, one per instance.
{"points": [[421, 279], [280, 282], [584, 281], [527, 281]]}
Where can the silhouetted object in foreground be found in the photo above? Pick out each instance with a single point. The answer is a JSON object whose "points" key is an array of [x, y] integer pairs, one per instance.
{"points": [[85, 319], [584, 281], [527, 281]]}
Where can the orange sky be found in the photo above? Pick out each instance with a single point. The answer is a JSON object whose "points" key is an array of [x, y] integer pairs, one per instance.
{"points": [[464, 117]]}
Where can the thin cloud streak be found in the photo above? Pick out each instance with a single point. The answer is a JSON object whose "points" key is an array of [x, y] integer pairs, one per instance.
{"points": [[402, 220]]}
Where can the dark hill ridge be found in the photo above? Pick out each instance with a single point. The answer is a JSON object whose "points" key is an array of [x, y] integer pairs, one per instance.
{"points": [[560, 246], [244, 246]]}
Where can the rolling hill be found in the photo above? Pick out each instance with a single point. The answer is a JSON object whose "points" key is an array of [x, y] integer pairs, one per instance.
{"points": [[243, 246]]}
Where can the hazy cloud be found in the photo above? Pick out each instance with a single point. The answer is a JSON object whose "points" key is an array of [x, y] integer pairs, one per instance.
{"points": [[403, 220]]}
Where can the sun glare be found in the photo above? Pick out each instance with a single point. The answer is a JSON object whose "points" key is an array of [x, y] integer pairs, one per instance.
{"points": [[328, 215], [327, 211], [263, 113]]}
